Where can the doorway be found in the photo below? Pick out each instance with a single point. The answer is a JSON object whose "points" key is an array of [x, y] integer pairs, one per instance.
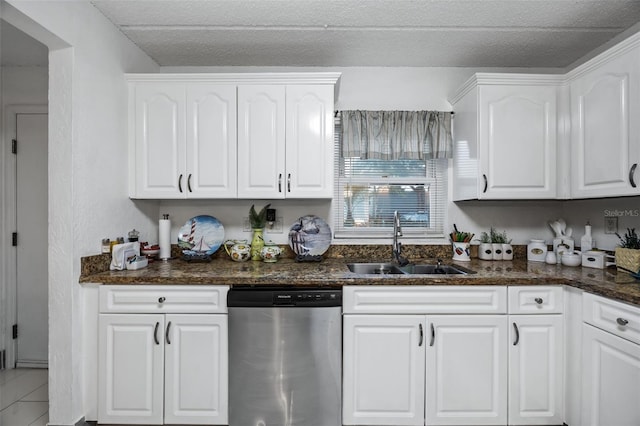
{"points": [[32, 239]]}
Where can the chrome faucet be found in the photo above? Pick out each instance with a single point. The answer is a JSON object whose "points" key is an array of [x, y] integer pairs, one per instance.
{"points": [[397, 245]]}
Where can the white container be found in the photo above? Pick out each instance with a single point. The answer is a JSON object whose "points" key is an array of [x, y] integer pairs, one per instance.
{"points": [[571, 258], [536, 251], [564, 244], [461, 251], [586, 242], [596, 259], [485, 251], [497, 251], [551, 258], [507, 251]]}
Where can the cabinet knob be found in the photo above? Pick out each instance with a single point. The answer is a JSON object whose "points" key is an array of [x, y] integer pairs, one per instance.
{"points": [[161, 299], [539, 300], [622, 321]]}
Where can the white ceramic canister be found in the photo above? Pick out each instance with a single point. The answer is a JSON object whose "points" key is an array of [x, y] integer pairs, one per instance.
{"points": [[485, 251], [497, 251], [461, 251], [536, 251], [507, 251], [551, 258]]}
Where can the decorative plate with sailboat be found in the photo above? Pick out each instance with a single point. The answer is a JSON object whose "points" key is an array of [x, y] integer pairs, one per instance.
{"points": [[201, 236], [309, 236]]}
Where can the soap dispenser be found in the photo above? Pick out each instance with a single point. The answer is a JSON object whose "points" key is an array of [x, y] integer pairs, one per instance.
{"points": [[586, 242]]}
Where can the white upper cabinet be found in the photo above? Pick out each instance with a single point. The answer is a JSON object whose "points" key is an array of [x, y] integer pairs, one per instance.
{"points": [[285, 141], [505, 137], [247, 135], [261, 141], [184, 137], [605, 134]]}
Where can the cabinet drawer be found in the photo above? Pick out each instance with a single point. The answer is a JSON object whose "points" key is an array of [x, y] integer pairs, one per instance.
{"points": [[615, 317], [158, 299], [425, 299], [535, 299]]}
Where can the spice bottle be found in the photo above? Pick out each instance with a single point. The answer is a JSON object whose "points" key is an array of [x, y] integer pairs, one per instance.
{"points": [[106, 246]]}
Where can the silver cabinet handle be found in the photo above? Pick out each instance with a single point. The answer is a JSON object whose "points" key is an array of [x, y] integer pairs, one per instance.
{"points": [[515, 327], [289, 182], [161, 300], [155, 334], [280, 182], [189, 183], [486, 183], [631, 172], [538, 300], [166, 335], [180, 183], [622, 321], [433, 335], [421, 335]]}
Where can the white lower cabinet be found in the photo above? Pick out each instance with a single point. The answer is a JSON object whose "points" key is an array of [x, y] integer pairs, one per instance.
{"points": [[610, 363], [466, 375], [165, 367], [535, 370], [383, 371]]}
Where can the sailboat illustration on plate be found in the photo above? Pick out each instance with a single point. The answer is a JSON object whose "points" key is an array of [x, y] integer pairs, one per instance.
{"points": [[200, 237]]}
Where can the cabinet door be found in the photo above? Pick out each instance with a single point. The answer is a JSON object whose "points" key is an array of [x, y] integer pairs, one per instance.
{"points": [[309, 158], [383, 370], [261, 142], [466, 373], [196, 369], [535, 370], [211, 141], [131, 370], [610, 379], [604, 129], [159, 139], [517, 142]]}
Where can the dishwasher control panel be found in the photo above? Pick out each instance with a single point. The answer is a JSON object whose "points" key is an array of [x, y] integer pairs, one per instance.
{"points": [[297, 297]]}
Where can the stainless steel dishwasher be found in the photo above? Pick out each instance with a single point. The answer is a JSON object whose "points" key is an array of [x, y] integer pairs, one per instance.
{"points": [[285, 356]]}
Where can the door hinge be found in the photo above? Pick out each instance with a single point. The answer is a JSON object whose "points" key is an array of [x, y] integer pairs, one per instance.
{"points": [[14, 331], [3, 359], [14, 146], [14, 239]]}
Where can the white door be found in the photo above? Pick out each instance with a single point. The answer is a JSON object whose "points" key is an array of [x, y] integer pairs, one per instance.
{"points": [[261, 142], [518, 142], [466, 374], [610, 379], [159, 134], [310, 127], [535, 370], [211, 141], [604, 129], [32, 249], [383, 370], [130, 368], [196, 363]]}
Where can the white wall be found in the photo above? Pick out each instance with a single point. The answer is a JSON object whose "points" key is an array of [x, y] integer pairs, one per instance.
{"points": [[24, 85], [87, 168]]}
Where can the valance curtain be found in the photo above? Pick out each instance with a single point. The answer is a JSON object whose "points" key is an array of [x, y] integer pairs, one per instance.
{"points": [[396, 135]]}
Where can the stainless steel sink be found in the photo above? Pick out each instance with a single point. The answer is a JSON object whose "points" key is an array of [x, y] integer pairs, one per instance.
{"points": [[375, 268], [436, 270], [379, 268]]}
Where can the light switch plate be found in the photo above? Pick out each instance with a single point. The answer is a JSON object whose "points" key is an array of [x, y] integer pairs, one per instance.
{"points": [[610, 225], [275, 229]]}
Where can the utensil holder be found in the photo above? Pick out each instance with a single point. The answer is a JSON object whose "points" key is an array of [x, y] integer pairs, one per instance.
{"points": [[461, 251]]}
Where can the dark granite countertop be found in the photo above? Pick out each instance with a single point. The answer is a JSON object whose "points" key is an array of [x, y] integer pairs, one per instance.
{"points": [[333, 272]]}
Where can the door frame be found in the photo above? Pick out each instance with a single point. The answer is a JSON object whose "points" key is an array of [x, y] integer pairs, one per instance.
{"points": [[8, 205]]}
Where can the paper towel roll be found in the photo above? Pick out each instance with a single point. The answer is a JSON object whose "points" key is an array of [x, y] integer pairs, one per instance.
{"points": [[164, 237]]}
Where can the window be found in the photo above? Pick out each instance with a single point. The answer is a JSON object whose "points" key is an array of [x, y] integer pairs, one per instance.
{"points": [[368, 191]]}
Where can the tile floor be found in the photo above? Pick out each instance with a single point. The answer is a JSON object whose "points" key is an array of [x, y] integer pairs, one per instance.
{"points": [[24, 397]]}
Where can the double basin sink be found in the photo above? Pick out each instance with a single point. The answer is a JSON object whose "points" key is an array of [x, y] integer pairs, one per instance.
{"points": [[375, 268]]}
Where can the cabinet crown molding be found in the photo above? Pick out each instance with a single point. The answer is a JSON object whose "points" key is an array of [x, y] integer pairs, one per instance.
{"points": [[240, 78], [506, 79], [617, 50]]}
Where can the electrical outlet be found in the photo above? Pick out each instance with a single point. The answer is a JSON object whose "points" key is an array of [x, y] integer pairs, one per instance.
{"points": [[276, 228], [610, 224]]}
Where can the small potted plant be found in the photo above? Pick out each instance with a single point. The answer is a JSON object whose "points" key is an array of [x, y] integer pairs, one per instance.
{"points": [[485, 250], [258, 221], [497, 239], [628, 254]]}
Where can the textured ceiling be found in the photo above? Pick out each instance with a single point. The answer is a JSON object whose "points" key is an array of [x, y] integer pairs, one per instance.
{"points": [[424, 33]]}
